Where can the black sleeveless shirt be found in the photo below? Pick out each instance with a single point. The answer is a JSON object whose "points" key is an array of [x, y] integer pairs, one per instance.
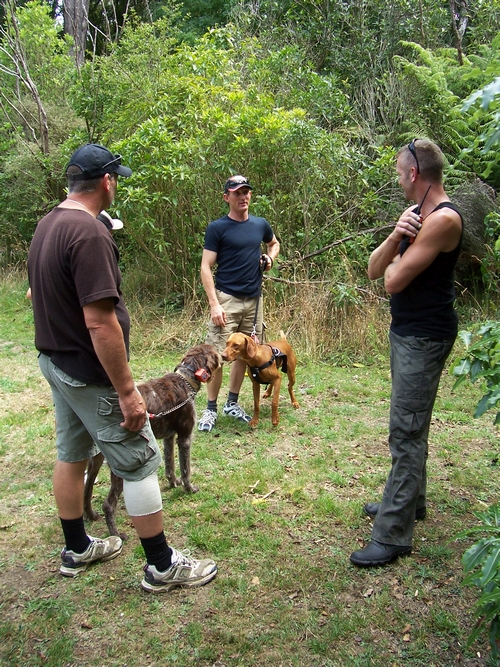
{"points": [[425, 307]]}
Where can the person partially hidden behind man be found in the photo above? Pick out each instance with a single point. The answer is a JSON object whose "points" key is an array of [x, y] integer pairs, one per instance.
{"points": [[417, 262], [82, 334]]}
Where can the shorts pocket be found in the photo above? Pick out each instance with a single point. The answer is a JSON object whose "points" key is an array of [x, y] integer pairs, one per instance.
{"points": [[109, 404], [67, 379], [125, 450]]}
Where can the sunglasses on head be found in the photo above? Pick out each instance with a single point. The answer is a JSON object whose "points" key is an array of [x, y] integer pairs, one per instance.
{"points": [[117, 161], [411, 148], [235, 184], [240, 181]]}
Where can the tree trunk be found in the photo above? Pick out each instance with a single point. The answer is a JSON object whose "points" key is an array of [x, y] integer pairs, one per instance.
{"points": [[76, 20], [459, 22], [22, 74]]}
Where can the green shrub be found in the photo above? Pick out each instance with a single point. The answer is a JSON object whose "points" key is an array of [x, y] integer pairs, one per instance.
{"points": [[482, 563], [482, 362]]}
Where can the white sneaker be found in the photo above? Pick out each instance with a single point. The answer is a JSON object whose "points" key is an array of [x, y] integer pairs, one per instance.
{"points": [[184, 571], [236, 411], [104, 550], [207, 420]]}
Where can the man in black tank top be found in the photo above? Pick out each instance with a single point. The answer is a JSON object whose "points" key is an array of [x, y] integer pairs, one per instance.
{"points": [[417, 262]]}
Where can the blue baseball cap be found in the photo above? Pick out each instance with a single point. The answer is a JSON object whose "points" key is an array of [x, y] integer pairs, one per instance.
{"points": [[95, 160]]}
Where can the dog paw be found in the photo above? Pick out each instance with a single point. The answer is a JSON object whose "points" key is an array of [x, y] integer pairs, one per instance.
{"points": [[174, 483], [190, 488], [253, 423], [295, 405], [91, 516], [113, 530]]}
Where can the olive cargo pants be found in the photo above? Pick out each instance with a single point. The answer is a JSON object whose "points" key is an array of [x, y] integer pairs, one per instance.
{"points": [[416, 367]]}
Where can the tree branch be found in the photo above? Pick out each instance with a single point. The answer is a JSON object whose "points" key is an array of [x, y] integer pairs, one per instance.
{"points": [[373, 230]]}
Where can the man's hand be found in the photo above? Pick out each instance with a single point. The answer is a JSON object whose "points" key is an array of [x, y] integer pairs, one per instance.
{"points": [[409, 224], [218, 315], [134, 411], [266, 262]]}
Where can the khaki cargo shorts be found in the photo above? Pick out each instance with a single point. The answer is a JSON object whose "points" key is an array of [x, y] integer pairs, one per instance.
{"points": [[240, 315], [88, 418]]}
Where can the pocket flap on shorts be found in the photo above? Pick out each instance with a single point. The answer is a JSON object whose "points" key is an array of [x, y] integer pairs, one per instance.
{"points": [[113, 433]]}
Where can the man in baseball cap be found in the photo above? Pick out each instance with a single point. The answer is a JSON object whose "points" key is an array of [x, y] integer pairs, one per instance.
{"points": [[82, 330], [93, 161], [234, 292], [234, 183]]}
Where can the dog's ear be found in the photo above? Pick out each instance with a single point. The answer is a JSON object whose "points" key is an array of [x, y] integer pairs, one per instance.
{"points": [[251, 347]]}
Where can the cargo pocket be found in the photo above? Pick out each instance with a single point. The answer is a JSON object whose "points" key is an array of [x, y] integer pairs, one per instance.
{"points": [[109, 404], [67, 379], [409, 416], [125, 451]]}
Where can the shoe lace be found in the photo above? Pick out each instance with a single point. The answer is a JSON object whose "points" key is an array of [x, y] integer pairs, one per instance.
{"points": [[237, 411], [208, 417], [97, 546], [184, 557]]}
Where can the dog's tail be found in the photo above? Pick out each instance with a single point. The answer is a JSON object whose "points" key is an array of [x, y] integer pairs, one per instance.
{"points": [[282, 335]]}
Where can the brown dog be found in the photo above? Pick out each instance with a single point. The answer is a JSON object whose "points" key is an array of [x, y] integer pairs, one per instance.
{"points": [[264, 363], [170, 402]]}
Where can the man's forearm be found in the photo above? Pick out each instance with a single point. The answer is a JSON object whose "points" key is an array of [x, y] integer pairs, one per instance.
{"points": [[109, 347], [207, 280], [382, 257], [273, 251]]}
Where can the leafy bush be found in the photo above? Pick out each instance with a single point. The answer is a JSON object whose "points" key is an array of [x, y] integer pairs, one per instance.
{"points": [[482, 563], [225, 106], [482, 362]]}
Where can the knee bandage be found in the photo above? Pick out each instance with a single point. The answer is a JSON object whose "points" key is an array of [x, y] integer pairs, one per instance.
{"points": [[143, 497]]}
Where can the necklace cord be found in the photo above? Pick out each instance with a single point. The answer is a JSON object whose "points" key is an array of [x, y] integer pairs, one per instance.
{"points": [[75, 201]]}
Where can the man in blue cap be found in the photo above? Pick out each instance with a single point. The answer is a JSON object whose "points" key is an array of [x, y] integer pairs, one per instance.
{"points": [[233, 244], [82, 334]]}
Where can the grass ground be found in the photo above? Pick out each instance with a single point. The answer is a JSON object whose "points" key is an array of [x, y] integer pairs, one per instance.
{"points": [[279, 509]]}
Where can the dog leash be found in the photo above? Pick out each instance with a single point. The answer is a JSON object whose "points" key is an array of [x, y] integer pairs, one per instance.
{"points": [[167, 412], [263, 258]]}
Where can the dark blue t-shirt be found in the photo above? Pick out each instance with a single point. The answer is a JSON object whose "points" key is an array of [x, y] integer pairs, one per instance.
{"points": [[238, 248]]}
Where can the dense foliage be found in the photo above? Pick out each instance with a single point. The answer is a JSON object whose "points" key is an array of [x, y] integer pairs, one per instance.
{"points": [[482, 564], [310, 100], [481, 362]]}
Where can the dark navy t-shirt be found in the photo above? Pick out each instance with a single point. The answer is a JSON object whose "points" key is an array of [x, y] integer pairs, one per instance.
{"points": [[238, 248]]}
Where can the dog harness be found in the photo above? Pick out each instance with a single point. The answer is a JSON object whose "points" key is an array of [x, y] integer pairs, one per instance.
{"points": [[277, 356]]}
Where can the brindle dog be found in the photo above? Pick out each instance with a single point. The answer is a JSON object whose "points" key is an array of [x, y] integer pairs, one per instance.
{"points": [[170, 402]]}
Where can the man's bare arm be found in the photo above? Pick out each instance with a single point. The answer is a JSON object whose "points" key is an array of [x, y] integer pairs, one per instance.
{"points": [[217, 312], [440, 232], [273, 248], [109, 345], [387, 252]]}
